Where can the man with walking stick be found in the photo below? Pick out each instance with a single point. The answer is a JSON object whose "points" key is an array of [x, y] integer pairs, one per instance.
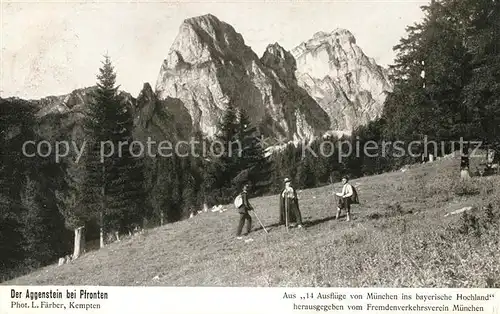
{"points": [[289, 206], [244, 207]]}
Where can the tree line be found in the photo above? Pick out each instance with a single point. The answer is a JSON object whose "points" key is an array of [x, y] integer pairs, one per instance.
{"points": [[445, 79]]}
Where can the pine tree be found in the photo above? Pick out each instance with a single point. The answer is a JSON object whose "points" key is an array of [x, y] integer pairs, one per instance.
{"points": [[305, 174], [224, 165], [253, 166], [127, 190], [174, 202], [113, 186], [37, 250], [156, 187], [482, 94], [10, 240], [275, 172], [431, 70], [12, 114], [49, 176], [71, 207], [29, 222], [333, 160], [286, 165], [407, 108]]}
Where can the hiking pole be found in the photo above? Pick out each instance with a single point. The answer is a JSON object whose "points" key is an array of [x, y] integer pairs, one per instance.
{"points": [[260, 222], [286, 213]]}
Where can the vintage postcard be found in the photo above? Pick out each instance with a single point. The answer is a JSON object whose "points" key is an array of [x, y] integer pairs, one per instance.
{"points": [[337, 156]]}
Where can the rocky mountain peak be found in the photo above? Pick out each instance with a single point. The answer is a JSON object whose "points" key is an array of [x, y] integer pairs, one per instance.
{"points": [[207, 19], [207, 23], [209, 66], [202, 39], [347, 84], [343, 33], [146, 94], [325, 84], [275, 55], [280, 61], [340, 34]]}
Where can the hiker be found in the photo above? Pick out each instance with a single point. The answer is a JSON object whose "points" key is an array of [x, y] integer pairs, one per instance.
{"points": [[244, 213], [345, 198], [289, 200]]}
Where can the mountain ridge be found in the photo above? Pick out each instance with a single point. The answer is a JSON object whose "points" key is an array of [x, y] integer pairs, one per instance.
{"points": [[209, 66], [347, 84], [324, 85]]}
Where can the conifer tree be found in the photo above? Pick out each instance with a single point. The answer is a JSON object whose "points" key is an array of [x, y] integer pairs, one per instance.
{"points": [[70, 204], [113, 186], [33, 229], [223, 166], [30, 223], [253, 165], [305, 174], [12, 114], [431, 69], [482, 39]]}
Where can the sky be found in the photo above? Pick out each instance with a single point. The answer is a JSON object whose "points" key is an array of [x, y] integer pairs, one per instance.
{"points": [[54, 47]]}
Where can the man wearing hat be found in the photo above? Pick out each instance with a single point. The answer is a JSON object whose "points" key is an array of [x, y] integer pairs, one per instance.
{"points": [[289, 200], [244, 213]]}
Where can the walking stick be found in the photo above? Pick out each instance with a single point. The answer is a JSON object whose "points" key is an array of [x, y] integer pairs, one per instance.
{"points": [[286, 212], [260, 222]]}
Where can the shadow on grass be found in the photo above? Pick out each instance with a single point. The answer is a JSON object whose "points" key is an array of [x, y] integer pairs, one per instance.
{"points": [[306, 223], [315, 222], [268, 227]]}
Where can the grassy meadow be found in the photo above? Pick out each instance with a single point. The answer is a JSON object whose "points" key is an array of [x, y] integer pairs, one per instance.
{"points": [[399, 237]]}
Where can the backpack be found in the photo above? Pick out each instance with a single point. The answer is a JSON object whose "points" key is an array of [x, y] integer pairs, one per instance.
{"points": [[238, 201], [354, 197]]}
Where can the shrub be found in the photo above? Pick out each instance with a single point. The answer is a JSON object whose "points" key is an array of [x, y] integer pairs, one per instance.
{"points": [[490, 216], [392, 210], [466, 188], [486, 188], [469, 224], [353, 238]]}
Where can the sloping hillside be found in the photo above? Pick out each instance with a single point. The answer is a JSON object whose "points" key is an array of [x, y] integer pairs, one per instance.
{"points": [[399, 237]]}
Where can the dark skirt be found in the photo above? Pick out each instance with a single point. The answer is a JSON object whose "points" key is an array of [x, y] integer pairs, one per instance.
{"points": [[293, 210]]}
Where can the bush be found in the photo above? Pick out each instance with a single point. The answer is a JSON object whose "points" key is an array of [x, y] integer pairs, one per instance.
{"points": [[486, 188], [353, 238], [469, 224], [490, 216], [466, 188], [479, 222], [392, 210]]}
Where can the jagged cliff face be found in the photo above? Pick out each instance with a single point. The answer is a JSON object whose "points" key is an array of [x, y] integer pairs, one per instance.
{"points": [[347, 84], [209, 66], [159, 120], [62, 116], [324, 85]]}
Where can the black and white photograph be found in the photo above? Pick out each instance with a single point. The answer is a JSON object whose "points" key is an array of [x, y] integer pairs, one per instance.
{"points": [[320, 144]]}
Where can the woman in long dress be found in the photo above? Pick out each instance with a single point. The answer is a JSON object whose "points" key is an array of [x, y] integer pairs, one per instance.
{"points": [[290, 201]]}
